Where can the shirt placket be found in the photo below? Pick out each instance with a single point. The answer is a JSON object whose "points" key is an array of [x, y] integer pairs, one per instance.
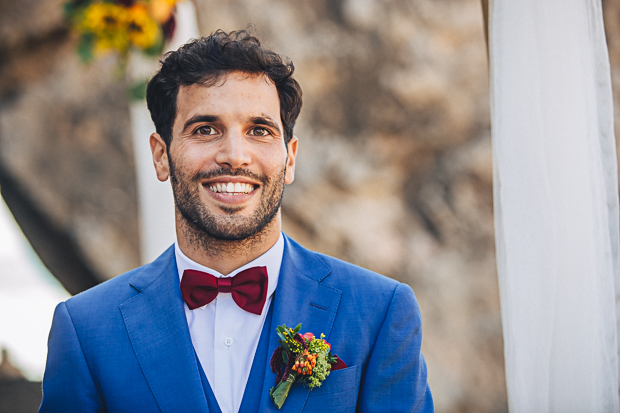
{"points": [[225, 347]]}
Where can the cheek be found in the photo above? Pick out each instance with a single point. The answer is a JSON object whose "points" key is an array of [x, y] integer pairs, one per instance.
{"points": [[271, 162], [192, 159], [277, 170]]}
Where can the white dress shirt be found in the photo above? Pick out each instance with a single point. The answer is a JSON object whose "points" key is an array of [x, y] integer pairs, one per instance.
{"points": [[224, 336]]}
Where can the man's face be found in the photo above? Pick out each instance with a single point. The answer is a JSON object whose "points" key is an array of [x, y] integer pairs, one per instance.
{"points": [[228, 162]]}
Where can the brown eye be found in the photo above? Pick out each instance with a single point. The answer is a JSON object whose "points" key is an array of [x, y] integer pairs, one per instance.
{"points": [[205, 130], [260, 132]]}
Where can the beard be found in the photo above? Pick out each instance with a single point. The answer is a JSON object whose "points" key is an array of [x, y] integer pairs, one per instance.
{"points": [[203, 226]]}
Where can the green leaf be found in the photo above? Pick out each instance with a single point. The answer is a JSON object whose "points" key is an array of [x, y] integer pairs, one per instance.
{"points": [[280, 330], [156, 49], [85, 47], [68, 8], [137, 91]]}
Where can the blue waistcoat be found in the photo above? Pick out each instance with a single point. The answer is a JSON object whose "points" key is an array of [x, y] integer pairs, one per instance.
{"points": [[254, 386]]}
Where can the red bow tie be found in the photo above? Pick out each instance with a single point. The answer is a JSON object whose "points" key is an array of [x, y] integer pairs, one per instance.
{"points": [[248, 288]]}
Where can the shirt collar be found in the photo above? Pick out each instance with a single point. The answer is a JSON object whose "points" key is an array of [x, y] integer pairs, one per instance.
{"points": [[272, 259]]}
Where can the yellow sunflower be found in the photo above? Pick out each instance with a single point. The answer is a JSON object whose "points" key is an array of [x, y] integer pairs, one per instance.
{"points": [[100, 17], [142, 30], [106, 22], [161, 10], [114, 41]]}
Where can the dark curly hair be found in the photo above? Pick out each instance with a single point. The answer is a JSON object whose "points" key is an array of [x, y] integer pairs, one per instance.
{"points": [[208, 59]]}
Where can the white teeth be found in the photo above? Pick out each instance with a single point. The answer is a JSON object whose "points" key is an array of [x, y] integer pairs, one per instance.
{"points": [[231, 188]]}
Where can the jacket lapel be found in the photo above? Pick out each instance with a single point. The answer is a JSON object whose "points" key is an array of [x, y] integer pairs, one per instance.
{"points": [[300, 298], [157, 328]]}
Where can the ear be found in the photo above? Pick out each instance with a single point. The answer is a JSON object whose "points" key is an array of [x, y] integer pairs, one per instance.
{"points": [[289, 175], [160, 157]]}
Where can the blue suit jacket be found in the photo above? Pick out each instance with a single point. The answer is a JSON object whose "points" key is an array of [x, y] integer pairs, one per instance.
{"points": [[124, 346]]}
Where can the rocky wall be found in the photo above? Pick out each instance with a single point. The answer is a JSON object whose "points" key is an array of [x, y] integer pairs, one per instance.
{"points": [[394, 168], [66, 160]]}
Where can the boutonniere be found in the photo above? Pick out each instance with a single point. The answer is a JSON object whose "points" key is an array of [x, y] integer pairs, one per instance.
{"points": [[301, 359]]}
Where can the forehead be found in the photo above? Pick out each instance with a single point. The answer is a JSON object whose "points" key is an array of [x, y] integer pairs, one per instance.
{"points": [[237, 95]]}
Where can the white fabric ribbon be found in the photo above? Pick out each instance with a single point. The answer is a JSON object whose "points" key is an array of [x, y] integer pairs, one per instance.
{"points": [[556, 204]]}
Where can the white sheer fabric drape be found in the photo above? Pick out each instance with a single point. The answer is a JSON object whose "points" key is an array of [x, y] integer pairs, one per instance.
{"points": [[155, 201], [556, 204]]}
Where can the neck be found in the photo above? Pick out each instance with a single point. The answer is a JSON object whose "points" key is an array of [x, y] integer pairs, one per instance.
{"points": [[225, 256]]}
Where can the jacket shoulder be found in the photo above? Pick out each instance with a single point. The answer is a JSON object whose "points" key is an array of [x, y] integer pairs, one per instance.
{"points": [[111, 293], [351, 279], [347, 273]]}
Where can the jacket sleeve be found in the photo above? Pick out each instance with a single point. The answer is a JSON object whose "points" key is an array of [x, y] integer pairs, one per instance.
{"points": [[68, 385], [395, 378]]}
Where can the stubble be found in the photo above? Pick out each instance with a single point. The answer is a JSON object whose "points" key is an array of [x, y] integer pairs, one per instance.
{"points": [[222, 234]]}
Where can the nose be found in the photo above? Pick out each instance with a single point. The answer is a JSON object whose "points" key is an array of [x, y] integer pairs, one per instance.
{"points": [[234, 151]]}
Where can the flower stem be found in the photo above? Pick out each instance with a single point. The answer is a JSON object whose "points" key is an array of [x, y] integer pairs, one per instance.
{"points": [[280, 393]]}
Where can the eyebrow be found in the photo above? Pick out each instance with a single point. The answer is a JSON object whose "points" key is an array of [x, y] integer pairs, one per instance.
{"points": [[200, 118], [262, 120]]}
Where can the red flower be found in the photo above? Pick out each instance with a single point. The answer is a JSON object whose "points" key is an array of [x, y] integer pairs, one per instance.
{"points": [[309, 336], [276, 363], [301, 340], [169, 27]]}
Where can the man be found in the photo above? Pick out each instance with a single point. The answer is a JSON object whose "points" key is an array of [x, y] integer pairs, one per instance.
{"points": [[151, 340]]}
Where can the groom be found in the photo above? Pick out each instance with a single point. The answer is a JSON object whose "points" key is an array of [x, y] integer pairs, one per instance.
{"points": [[194, 330]]}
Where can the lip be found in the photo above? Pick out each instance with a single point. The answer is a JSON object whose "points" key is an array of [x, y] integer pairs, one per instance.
{"points": [[233, 179], [230, 199]]}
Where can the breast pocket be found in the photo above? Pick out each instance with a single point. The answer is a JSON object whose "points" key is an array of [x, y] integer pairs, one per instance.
{"points": [[337, 394]]}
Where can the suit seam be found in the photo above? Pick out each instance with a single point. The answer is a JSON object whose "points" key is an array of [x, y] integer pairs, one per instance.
{"points": [[331, 288], [337, 305], [84, 355], [162, 273], [353, 386], [387, 311], [149, 383], [374, 345], [328, 269], [331, 394], [320, 284]]}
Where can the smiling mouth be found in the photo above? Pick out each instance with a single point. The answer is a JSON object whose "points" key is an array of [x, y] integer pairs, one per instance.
{"points": [[230, 188]]}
